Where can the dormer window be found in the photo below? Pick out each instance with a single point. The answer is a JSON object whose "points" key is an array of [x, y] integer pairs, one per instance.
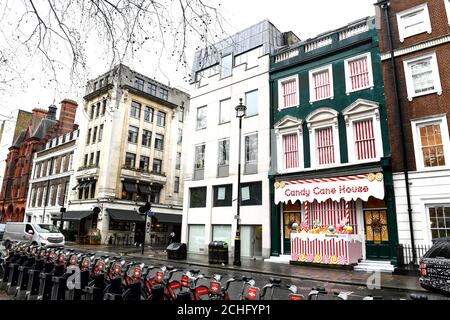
{"points": [[139, 84]]}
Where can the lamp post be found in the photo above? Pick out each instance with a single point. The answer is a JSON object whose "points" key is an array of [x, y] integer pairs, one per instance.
{"points": [[240, 113]]}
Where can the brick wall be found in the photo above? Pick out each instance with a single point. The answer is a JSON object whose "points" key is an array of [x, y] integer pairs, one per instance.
{"points": [[438, 18], [423, 106]]}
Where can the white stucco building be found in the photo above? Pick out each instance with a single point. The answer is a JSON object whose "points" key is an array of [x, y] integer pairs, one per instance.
{"points": [[238, 69], [129, 154], [52, 177]]}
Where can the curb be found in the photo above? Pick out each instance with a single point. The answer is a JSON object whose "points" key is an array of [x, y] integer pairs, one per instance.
{"points": [[280, 276]]}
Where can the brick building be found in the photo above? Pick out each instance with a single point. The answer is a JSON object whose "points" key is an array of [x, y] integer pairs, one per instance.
{"points": [[416, 82], [19, 163]]}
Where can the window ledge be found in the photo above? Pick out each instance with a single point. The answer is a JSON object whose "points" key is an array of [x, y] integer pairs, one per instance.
{"points": [[411, 98], [283, 108], [431, 169], [360, 89], [402, 38], [223, 78], [328, 98]]}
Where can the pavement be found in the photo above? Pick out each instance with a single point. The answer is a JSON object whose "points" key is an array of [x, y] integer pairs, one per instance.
{"points": [[344, 277]]}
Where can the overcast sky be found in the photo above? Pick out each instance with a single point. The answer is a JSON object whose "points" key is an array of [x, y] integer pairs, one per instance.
{"points": [[304, 17]]}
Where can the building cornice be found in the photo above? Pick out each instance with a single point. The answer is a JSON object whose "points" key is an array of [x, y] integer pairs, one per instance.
{"points": [[98, 92], [417, 47], [148, 96]]}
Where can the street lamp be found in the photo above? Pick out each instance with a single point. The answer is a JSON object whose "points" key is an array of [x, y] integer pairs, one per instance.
{"points": [[240, 113]]}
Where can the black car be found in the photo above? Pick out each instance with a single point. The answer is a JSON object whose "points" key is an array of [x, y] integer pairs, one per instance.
{"points": [[2, 231], [435, 267]]}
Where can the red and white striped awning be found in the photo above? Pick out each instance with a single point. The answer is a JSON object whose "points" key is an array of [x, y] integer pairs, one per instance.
{"points": [[348, 188]]}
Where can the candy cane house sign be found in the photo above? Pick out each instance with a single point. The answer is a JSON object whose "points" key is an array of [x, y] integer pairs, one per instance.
{"points": [[348, 188]]}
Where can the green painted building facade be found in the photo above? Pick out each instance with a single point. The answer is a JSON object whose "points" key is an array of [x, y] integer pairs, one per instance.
{"points": [[332, 86]]}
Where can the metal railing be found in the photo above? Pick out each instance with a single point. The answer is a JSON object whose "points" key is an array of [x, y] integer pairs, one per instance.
{"points": [[405, 254]]}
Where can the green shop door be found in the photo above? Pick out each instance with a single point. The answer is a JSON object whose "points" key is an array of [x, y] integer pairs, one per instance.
{"points": [[377, 236], [291, 214]]}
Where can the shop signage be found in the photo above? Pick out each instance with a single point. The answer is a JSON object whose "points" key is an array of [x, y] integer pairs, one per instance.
{"points": [[347, 188]]}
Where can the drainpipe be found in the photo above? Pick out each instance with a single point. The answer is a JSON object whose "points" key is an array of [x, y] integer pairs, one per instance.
{"points": [[385, 6]]}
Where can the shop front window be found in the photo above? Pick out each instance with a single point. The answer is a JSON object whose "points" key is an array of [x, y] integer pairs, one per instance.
{"points": [[291, 214]]}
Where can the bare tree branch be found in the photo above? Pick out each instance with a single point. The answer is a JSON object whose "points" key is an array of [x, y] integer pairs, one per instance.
{"points": [[59, 34]]}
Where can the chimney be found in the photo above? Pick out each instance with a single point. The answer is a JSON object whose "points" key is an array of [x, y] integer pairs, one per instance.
{"points": [[52, 112], [67, 116], [37, 115]]}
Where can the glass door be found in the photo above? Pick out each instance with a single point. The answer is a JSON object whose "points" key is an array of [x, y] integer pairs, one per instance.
{"points": [[377, 236], [291, 214]]}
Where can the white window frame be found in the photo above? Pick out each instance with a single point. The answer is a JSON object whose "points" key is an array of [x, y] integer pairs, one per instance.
{"points": [[319, 119], [218, 151], [257, 147], [287, 126], [401, 25], [58, 195], [222, 69], [195, 156], [409, 80], [447, 9], [348, 83], [415, 126], [206, 118], [432, 204], [312, 97], [280, 95], [229, 110], [33, 194], [363, 110]]}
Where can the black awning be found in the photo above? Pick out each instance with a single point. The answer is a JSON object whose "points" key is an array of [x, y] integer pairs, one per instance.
{"points": [[83, 184], [145, 189], [125, 215], [130, 187], [72, 215], [76, 187], [168, 218]]}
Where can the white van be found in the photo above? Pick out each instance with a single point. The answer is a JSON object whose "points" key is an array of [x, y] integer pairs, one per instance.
{"points": [[41, 234]]}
